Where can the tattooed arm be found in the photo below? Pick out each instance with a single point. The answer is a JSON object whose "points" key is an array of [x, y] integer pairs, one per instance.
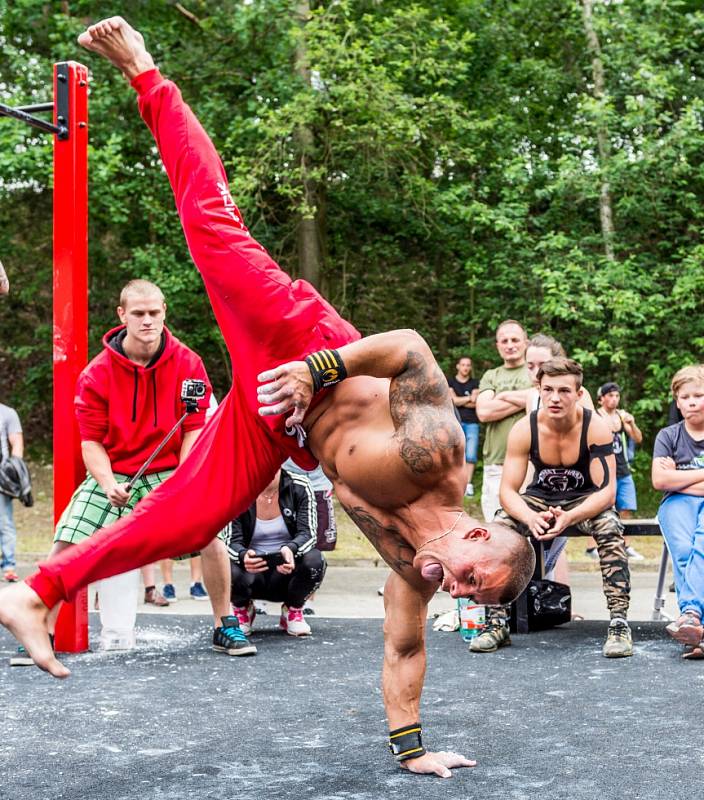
{"points": [[400, 355], [387, 540]]}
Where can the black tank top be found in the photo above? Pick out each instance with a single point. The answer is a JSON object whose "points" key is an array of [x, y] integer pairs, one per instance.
{"points": [[556, 484]]}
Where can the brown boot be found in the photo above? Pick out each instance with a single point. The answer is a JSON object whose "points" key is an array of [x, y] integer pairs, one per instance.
{"points": [[153, 596], [687, 628]]}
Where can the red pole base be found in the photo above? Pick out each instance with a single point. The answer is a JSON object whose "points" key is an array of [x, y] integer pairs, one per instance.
{"points": [[72, 626]]}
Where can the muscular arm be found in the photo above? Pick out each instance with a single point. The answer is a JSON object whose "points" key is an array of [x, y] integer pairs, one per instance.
{"points": [[403, 356], [493, 407], [386, 355], [404, 650], [406, 609], [514, 473]]}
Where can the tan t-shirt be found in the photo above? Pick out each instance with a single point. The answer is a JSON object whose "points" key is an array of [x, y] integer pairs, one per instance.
{"points": [[496, 434]]}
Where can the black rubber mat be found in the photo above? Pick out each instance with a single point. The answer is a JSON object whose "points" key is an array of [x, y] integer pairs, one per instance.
{"points": [[546, 718]]}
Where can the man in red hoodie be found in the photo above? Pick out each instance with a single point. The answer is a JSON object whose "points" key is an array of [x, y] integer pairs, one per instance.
{"points": [[127, 400]]}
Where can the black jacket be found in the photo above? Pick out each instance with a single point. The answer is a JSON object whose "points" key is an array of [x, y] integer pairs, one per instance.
{"points": [[298, 508]]}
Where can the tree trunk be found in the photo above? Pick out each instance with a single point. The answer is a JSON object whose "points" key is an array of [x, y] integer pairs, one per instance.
{"points": [[309, 233], [602, 134]]}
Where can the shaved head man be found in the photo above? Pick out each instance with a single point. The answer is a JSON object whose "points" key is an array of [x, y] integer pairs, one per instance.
{"points": [[375, 412]]}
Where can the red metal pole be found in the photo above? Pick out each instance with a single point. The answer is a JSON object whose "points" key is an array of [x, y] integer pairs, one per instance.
{"points": [[70, 351]]}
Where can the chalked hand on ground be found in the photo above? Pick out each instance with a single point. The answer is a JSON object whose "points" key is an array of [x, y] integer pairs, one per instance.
{"points": [[439, 763]]}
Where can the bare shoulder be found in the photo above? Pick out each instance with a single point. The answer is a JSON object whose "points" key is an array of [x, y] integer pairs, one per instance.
{"points": [[422, 411], [599, 431], [519, 436]]}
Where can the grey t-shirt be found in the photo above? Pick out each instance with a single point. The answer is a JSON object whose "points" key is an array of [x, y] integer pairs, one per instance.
{"points": [[316, 476], [9, 424], [674, 442]]}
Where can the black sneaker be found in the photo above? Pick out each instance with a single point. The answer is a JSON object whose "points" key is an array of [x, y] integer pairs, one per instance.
{"points": [[230, 639], [22, 657]]}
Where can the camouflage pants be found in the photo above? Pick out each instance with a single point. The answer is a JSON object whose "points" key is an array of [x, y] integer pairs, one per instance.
{"points": [[607, 530]]}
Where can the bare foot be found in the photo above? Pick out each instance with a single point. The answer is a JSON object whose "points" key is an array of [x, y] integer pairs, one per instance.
{"points": [[120, 43], [25, 616]]}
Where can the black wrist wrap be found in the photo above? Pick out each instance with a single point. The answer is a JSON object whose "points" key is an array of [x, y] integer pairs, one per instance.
{"points": [[326, 368], [405, 743]]}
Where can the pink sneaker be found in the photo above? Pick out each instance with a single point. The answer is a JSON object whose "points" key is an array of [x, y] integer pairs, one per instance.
{"points": [[245, 616], [293, 623]]}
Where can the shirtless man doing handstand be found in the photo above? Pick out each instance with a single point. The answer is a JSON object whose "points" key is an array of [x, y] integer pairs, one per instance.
{"points": [[375, 412]]}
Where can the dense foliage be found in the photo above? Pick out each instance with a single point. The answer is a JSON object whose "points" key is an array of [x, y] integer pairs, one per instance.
{"points": [[452, 146]]}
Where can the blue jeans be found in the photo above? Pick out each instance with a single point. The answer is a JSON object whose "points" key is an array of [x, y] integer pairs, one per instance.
{"points": [[681, 518], [8, 533], [471, 444]]}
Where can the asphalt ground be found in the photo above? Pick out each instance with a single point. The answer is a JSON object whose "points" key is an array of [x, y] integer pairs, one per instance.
{"points": [[546, 718]]}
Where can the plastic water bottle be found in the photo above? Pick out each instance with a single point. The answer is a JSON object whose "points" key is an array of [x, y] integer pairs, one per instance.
{"points": [[472, 618], [118, 610]]}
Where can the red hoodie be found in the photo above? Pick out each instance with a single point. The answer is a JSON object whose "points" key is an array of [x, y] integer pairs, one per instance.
{"points": [[129, 408]]}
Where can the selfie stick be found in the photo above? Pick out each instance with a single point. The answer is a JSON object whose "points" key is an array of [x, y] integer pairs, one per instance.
{"points": [[191, 407], [131, 482]]}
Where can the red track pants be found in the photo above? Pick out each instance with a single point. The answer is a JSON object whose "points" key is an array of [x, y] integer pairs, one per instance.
{"points": [[266, 320]]}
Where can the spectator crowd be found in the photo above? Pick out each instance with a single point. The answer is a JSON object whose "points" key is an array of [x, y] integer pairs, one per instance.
{"points": [[551, 462]]}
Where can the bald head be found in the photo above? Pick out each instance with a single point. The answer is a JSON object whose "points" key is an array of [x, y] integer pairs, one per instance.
{"points": [[520, 558]]}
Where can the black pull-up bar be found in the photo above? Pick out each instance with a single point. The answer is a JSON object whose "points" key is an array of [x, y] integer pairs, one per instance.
{"points": [[35, 122], [36, 108], [61, 96]]}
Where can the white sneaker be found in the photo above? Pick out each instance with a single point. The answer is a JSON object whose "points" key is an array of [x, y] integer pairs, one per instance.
{"points": [[293, 623], [631, 552], [469, 491], [591, 552], [245, 616]]}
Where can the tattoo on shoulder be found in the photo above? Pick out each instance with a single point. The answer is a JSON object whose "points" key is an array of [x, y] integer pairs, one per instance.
{"points": [[387, 539], [422, 414]]}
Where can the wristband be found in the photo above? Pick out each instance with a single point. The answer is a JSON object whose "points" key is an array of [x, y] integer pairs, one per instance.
{"points": [[326, 369], [405, 743]]}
